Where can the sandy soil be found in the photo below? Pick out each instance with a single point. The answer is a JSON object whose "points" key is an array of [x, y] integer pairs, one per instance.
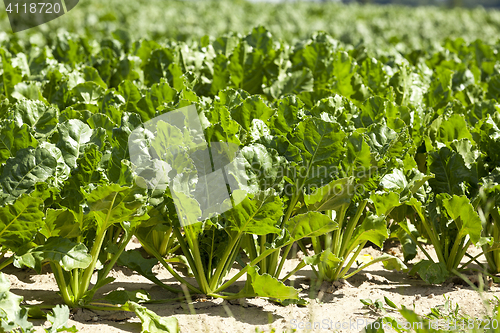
{"points": [[335, 304]]}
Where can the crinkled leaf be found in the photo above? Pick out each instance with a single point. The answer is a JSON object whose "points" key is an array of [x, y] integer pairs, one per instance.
{"points": [[13, 139], [151, 322], [69, 255], [335, 194], [59, 320], [310, 224], [113, 203], [431, 272], [73, 135], [12, 316], [20, 221], [463, 213], [259, 215], [372, 229]]}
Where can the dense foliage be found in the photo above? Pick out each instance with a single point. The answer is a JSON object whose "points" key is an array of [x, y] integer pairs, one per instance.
{"points": [[343, 145]]}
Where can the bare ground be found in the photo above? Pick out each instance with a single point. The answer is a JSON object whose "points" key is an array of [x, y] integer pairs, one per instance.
{"points": [[335, 304]]}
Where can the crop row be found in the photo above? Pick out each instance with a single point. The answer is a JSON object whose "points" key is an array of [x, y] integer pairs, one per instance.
{"points": [[336, 148]]}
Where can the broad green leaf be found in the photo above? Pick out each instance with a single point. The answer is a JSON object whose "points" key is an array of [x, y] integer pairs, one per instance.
{"points": [[151, 322], [41, 118], [310, 224], [290, 112], [252, 108], [331, 196], [448, 130], [321, 147], [136, 262], [451, 174], [73, 135], [30, 166], [60, 222], [430, 272], [20, 221], [59, 320], [87, 93], [12, 316], [267, 286], [294, 82], [13, 139], [10, 75], [463, 213], [372, 229], [385, 202], [64, 252], [259, 215], [113, 203]]}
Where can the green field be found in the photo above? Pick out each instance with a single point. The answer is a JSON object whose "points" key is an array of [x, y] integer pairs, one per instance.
{"points": [[351, 125]]}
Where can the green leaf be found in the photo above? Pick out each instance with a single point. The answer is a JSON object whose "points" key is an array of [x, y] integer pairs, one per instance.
{"points": [[60, 222], [451, 173], [259, 215], [267, 286], [20, 221], [385, 202], [32, 166], [372, 229], [59, 320], [430, 272], [294, 82], [391, 262], [12, 316], [113, 203], [252, 108], [321, 148], [390, 303], [151, 322], [326, 259], [310, 224], [41, 118], [73, 135], [13, 139], [463, 213], [332, 196], [67, 254], [11, 75], [136, 262], [448, 130]]}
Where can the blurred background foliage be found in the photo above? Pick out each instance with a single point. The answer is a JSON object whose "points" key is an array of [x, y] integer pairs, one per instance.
{"points": [[378, 27]]}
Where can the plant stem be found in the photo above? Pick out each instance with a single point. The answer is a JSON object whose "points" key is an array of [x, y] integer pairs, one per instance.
{"points": [[94, 253], [299, 267], [283, 259], [6, 263], [222, 263], [432, 236], [351, 225], [351, 261], [244, 270], [171, 270], [61, 283]]}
